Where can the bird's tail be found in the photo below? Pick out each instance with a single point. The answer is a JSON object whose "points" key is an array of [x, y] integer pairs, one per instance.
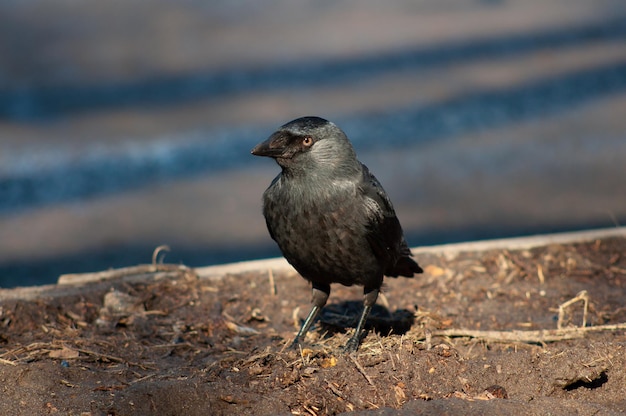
{"points": [[405, 266]]}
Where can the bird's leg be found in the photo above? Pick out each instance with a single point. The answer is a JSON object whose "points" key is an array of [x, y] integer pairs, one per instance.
{"points": [[320, 296], [369, 299]]}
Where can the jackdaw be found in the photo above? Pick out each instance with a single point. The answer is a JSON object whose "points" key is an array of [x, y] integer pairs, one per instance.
{"points": [[330, 216]]}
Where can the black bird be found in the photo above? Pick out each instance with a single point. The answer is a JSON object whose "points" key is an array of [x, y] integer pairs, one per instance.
{"points": [[330, 216]]}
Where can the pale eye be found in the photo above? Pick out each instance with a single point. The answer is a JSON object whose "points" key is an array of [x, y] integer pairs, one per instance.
{"points": [[307, 141]]}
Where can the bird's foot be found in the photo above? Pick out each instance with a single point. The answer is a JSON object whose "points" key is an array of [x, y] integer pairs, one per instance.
{"points": [[296, 344], [352, 345]]}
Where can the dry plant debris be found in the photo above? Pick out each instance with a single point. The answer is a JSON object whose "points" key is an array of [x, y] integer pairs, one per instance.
{"points": [[502, 331]]}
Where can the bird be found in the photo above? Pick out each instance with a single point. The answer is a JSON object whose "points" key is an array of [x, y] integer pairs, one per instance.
{"points": [[331, 217]]}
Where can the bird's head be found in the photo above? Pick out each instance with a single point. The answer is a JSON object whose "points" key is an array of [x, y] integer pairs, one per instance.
{"points": [[310, 144]]}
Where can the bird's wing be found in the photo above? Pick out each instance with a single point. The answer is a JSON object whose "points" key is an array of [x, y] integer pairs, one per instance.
{"points": [[384, 230]]}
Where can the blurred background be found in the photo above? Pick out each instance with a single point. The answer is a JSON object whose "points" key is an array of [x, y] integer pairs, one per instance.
{"points": [[128, 124]]}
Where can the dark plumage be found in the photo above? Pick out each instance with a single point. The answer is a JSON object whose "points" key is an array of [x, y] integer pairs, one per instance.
{"points": [[330, 216]]}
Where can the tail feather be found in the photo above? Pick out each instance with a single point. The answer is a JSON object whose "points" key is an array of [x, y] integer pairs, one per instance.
{"points": [[405, 266]]}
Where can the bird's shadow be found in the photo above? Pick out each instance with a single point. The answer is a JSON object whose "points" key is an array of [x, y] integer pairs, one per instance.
{"points": [[337, 317]]}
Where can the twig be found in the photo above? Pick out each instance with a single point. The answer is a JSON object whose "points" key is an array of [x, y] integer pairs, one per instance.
{"points": [[383, 299], [173, 345], [112, 358], [540, 275], [272, 284], [156, 252], [294, 316], [305, 360], [3, 361], [584, 297], [156, 266], [335, 390], [361, 369], [533, 337], [80, 278]]}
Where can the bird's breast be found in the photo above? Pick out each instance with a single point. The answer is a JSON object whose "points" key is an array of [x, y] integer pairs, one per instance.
{"points": [[321, 231]]}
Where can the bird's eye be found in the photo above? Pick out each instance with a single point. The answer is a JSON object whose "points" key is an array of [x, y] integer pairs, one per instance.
{"points": [[307, 141]]}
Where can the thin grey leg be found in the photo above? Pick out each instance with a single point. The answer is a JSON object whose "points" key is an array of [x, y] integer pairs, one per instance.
{"points": [[369, 300], [320, 296]]}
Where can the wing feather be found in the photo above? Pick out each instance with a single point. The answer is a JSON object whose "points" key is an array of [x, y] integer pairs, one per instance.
{"points": [[385, 234]]}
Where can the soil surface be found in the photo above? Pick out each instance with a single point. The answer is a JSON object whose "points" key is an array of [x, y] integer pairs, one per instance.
{"points": [[441, 343]]}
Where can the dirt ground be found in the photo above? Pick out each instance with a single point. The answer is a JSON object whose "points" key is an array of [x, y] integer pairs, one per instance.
{"points": [[464, 338]]}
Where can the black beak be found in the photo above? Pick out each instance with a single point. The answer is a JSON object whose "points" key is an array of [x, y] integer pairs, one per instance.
{"points": [[272, 147]]}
